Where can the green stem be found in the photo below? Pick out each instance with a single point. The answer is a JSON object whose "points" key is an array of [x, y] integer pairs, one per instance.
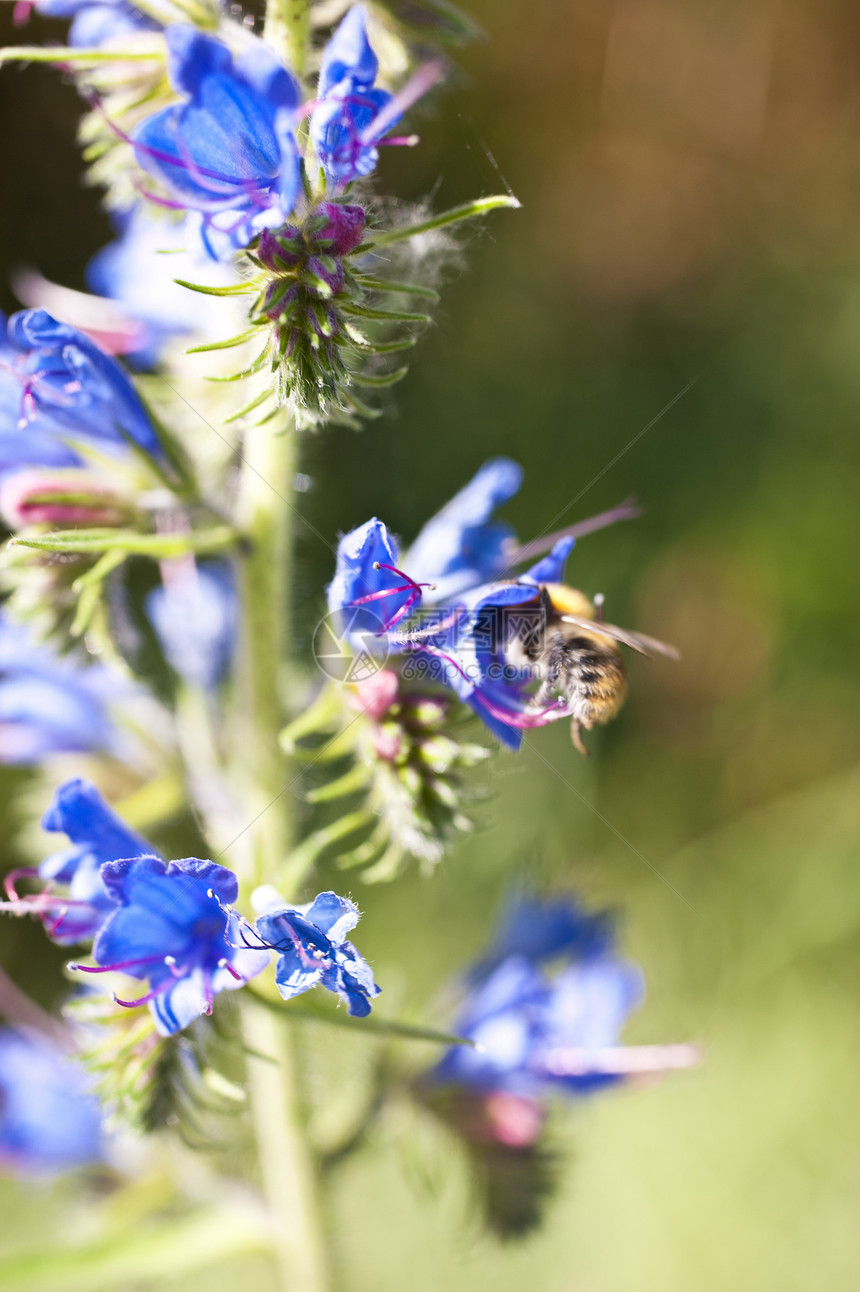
{"points": [[262, 774], [288, 1174], [288, 30], [261, 770]]}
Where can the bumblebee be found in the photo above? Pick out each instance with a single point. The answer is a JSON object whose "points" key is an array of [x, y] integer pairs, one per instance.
{"points": [[575, 656]]}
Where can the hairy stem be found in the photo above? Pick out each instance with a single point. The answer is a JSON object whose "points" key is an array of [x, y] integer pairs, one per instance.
{"points": [[260, 768], [261, 771], [288, 30], [288, 1173]]}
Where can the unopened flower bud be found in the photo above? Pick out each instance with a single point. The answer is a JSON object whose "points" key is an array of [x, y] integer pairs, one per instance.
{"points": [[281, 249], [343, 229], [377, 694], [60, 498]]}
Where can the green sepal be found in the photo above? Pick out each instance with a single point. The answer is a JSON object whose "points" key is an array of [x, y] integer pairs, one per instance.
{"points": [[468, 211], [385, 316], [224, 345], [407, 289], [351, 782], [378, 383], [238, 289], [157, 546]]}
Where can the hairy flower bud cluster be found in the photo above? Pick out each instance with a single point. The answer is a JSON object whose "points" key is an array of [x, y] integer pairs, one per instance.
{"points": [[408, 760], [317, 300]]}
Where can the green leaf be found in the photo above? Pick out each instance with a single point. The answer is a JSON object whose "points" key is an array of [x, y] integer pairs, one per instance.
{"points": [[468, 211], [377, 383], [408, 289], [238, 289], [249, 407], [224, 345], [147, 1252], [65, 54], [387, 316], [157, 546], [321, 1013]]}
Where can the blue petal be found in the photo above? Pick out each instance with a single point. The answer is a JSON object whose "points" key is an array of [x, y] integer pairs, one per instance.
{"points": [[260, 68], [292, 977], [136, 933], [355, 577], [180, 1004], [541, 929], [550, 569], [348, 53], [458, 548], [335, 915], [79, 811], [192, 55], [48, 1120], [503, 731]]}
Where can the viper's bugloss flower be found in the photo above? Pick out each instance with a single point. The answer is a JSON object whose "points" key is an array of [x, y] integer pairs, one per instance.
{"points": [[348, 103], [97, 21], [539, 929], [51, 705], [534, 1031], [313, 949], [48, 1121], [68, 387], [138, 270], [228, 150], [194, 616], [171, 928], [97, 835]]}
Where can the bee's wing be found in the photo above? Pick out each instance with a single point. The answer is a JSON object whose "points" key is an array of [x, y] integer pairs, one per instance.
{"points": [[636, 641]]}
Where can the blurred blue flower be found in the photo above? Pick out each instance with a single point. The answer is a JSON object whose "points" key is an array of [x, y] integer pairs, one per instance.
{"points": [[138, 270], [48, 1121], [66, 386], [228, 150], [50, 705], [96, 21], [171, 927], [313, 950], [195, 619], [534, 1031], [348, 103], [97, 835], [25, 441]]}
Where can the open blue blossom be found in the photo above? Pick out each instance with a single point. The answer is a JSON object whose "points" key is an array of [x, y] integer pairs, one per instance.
{"points": [[313, 950], [195, 619], [171, 927], [228, 150], [68, 387], [536, 1032], [48, 1121], [138, 269], [97, 21], [97, 835], [463, 641], [33, 441], [348, 103], [50, 705]]}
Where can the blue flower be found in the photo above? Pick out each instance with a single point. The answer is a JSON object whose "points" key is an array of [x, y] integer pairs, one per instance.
{"points": [[313, 950], [138, 270], [195, 620], [97, 835], [68, 387], [534, 1031], [228, 150], [48, 1121], [50, 705], [25, 441], [348, 103], [541, 929], [171, 927], [462, 546], [97, 21]]}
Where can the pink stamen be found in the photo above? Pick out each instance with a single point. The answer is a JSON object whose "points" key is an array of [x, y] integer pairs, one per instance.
{"points": [[120, 964], [21, 12], [20, 872], [400, 141], [225, 964], [414, 89], [142, 1000]]}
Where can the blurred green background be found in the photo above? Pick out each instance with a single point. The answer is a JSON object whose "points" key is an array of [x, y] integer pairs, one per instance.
{"points": [[690, 232]]}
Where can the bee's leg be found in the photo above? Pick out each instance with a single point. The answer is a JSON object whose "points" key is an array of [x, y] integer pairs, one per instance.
{"points": [[576, 736]]}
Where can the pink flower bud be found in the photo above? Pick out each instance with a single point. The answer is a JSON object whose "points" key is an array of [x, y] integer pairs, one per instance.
{"points": [[377, 694], [344, 227], [60, 498]]}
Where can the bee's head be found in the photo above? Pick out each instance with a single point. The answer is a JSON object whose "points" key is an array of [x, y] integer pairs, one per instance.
{"points": [[568, 601]]}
